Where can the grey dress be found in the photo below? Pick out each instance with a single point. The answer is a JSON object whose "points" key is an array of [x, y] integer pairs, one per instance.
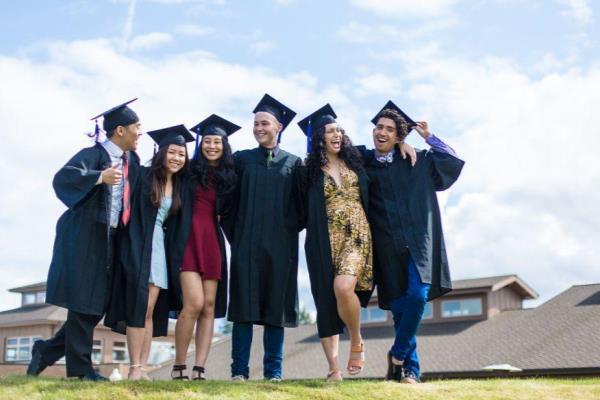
{"points": [[158, 263]]}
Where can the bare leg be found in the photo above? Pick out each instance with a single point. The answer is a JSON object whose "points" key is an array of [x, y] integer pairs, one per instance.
{"points": [[206, 322], [153, 293], [136, 338], [348, 307], [330, 347], [193, 301]]}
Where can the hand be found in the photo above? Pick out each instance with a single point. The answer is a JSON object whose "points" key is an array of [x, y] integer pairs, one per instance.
{"points": [[407, 150], [423, 129], [112, 175]]}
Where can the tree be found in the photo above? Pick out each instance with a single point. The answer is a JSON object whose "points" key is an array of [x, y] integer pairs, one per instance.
{"points": [[304, 317]]}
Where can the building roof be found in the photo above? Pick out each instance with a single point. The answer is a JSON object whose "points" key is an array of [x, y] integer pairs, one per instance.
{"points": [[558, 336], [495, 283], [32, 315], [29, 288]]}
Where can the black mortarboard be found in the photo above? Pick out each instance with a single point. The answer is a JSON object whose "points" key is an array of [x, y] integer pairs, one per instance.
{"points": [[390, 105], [120, 115], [177, 134], [323, 116], [214, 125], [282, 113]]}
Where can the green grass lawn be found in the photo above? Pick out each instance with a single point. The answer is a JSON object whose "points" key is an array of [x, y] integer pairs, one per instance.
{"points": [[19, 387]]}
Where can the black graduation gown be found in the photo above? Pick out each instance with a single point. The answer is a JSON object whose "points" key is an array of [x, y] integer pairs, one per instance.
{"points": [[80, 270], [404, 215], [264, 240], [181, 231], [318, 254], [129, 299]]}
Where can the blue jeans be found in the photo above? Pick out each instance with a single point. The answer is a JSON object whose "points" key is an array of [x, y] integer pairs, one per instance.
{"points": [[408, 311], [241, 339]]}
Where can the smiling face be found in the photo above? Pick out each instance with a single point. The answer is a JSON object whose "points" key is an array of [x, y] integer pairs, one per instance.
{"points": [[266, 128], [212, 148], [175, 158], [332, 139], [385, 135]]}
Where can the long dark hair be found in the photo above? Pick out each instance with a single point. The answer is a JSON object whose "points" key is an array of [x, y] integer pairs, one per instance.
{"points": [[158, 180], [223, 176], [317, 158]]}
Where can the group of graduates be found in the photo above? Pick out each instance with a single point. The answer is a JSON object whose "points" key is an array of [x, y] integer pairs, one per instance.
{"points": [[138, 244]]}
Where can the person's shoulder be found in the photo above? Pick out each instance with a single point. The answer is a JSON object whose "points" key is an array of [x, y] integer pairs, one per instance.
{"points": [[292, 158], [245, 154]]}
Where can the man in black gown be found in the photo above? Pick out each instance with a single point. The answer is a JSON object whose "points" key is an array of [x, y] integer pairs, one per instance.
{"points": [[95, 185], [410, 260], [264, 243]]}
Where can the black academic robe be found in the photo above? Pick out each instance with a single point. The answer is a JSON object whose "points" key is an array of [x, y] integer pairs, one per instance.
{"points": [[80, 270], [182, 228], [404, 215], [318, 253], [263, 233]]}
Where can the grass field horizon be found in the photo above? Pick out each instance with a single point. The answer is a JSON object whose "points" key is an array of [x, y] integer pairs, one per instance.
{"points": [[20, 387]]}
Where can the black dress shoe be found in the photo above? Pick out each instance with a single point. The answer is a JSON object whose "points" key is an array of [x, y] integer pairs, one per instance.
{"points": [[94, 377], [37, 364], [394, 372]]}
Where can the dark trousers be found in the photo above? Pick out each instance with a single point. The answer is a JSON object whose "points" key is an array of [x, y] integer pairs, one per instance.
{"points": [[74, 341], [407, 311], [241, 339]]}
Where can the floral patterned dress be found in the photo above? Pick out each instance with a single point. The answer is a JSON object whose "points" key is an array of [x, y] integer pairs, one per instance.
{"points": [[349, 232]]}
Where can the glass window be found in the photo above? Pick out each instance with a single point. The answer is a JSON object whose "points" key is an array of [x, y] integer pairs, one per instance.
{"points": [[40, 297], [28, 298], [428, 311], [161, 352], [461, 308], [372, 314], [19, 349], [97, 352], [119, 352]]}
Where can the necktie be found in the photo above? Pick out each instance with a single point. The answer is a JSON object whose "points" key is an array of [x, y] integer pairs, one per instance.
{"points": [[126, 191], [269, 156]]}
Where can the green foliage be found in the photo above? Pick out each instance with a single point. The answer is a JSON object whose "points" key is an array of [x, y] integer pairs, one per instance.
{"points": [[304, 317]]}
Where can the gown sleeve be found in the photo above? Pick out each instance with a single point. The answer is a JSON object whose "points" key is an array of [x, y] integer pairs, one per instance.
{"points": [[445, 165], [73, 182]]}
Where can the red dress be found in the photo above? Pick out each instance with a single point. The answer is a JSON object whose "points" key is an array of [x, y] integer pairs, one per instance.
{"points": [[202, 252]]}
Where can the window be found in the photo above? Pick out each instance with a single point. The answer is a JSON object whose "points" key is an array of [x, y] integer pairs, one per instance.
{"points": [[161, 352], [119, 352], [461, 308], [19, 348], [28, 298], [372, 314], [40, 297], [428, 312], [97, 352]]}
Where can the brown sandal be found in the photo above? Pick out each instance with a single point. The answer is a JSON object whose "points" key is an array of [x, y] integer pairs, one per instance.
{"points": [[180, 369], [356, 365], [331, 375]]}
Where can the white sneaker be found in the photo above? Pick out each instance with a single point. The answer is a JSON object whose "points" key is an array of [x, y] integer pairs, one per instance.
{"points": [[238, 378], [275, 380]]}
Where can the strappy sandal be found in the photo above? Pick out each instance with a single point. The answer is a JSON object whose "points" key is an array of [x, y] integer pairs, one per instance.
{"points": [[131, 367], [355, 366], [335, 375], [200, 371], [180, 369], [145, 376]]}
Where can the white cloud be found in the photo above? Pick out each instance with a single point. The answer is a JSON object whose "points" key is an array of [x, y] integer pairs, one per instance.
{"points": [[128, 26], [194, 30], [149, 40], [406, 8], [526, 202], [262, 47], [377, 84], [580, 10], [359, 33]]}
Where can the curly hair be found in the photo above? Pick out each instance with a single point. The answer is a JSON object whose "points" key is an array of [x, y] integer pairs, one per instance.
{"points": [[223, 176], [402, 127], [317, 158]]}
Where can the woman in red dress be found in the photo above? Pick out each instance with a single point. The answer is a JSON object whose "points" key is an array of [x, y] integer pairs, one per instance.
{"points": [[203, 272]]}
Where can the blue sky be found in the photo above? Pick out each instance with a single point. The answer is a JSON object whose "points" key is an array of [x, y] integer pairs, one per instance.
{"points": [[511, 85]]}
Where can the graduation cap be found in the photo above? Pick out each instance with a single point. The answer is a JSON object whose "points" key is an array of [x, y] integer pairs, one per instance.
{"points": [[120, 115], [391, 106], [282, 113], [177, 134], [214, 125], [323, 116]]}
